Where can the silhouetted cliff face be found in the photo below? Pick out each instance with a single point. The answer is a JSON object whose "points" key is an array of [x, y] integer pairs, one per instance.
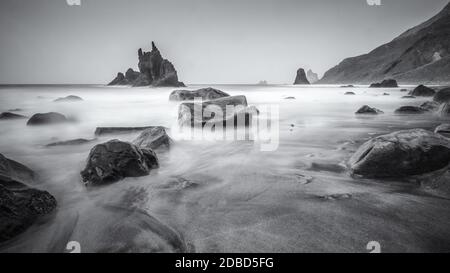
{"points": [[301, 77], [421, 54], [154, 70]]}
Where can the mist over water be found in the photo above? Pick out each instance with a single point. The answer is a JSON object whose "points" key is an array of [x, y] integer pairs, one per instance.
{"points": [[224, 196]]}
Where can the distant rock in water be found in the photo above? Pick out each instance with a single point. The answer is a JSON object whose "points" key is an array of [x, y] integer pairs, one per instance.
{"points": [[366, 109], [77, 141], [8, 115], [400, 154], [349, 93], [99, 131], [47, 118], [114, 160], [348, 86], [153, 138], [262, 83], [289, 98], [204, 93], [410, 110], [20, 205], [423, 91], [311, 76], [301, 77], [153, 70], [443, 129], [442, 95], [68, 99], [388, 83], [408, 97], [420, 54]]}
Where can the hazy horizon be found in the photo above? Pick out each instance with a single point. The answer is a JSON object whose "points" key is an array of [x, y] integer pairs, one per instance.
{"points": [[221, 42]]}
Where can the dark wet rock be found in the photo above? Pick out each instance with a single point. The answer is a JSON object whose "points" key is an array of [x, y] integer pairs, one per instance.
{"points": [[349, 93], [70, 98], [400, 154], [348, 86], [430, 106], [241, 112], [423, 91], [99, 131], [410, 110], [78, 141], [47, 118], [289, 98], [311, 76], [301, 77], [153, 138], [388, 83], [386, 94], [403, 90], [114, 160], [9, 115], [408, 97], [366, 109], [20, 205], [204, 93], [443, 129], [442, 96], [153, 70], [327, 167]]}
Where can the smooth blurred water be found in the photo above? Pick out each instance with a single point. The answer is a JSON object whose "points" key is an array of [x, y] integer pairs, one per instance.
{"points": [[224, 195]]}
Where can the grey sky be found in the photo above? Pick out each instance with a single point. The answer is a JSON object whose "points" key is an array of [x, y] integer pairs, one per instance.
{"points": [[208, 41]]}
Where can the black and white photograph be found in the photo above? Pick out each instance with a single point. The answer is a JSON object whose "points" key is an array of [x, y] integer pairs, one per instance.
{"points": [[224, 126]]}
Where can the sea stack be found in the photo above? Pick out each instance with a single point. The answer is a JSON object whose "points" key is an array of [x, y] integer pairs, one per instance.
{"points": [[154, 70], [301, 77], [312, 77]]}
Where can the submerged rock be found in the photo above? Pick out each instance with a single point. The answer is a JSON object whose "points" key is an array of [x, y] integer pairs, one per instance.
{"points": [[241, 112], [410, 110], [301, 77], [114, 160], [388, 83], [349, 93], [46, 118], [20, 205], [347, 86], [442, 96], [430, 106], [153, 138], [77, 141], [443, 129], [70, 98], [423, 91], [204, 93], [366, 109], [400, 154], [289, 98], [8, 115], [99, 131]]}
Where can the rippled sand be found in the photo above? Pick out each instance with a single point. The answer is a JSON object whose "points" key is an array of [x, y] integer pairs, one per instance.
{"points": [[226, 196]]}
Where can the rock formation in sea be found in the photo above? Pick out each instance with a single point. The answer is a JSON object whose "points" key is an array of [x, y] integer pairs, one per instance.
{"points": [[387, 83], [115, 160], [154, 70], [301, 77], [20, 205], [401, 154], [311, 76], [442, 95], [419, 55], [410, 110], [153, 138], [47, 118], [9, 115], [423, 91], [70, 98], [366, 109]]}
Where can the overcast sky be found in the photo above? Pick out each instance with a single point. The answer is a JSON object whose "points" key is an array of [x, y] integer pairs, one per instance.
{"points": [[208, 41]]}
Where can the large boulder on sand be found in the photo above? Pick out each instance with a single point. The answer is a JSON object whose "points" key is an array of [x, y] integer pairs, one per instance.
{"points": [[153, 138], [241, 114], [114, 160], [301, 77], [422, 91], [20, 205], [46, 118], [204, 93], [442, 96], [400, 154]]}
